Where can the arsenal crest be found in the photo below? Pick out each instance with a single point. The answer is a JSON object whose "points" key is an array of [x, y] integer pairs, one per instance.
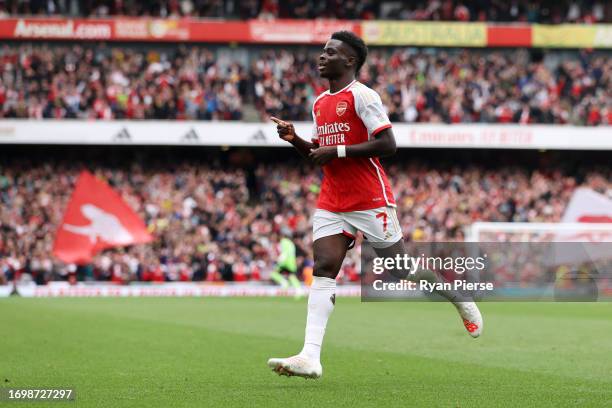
{"points": [[341, 108]]}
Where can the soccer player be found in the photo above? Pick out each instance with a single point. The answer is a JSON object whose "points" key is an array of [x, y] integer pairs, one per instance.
{"points": [[351, 131], [287, 263]]}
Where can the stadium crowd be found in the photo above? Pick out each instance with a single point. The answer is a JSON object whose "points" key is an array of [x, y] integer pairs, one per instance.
{"points": [[460, 86], [76, 82], [213, 222], [546, 11]]}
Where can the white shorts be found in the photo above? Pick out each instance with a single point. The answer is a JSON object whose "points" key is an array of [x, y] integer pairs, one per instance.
{"points": [[379, 226]]}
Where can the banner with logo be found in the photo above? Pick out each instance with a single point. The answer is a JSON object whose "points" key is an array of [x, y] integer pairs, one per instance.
{"points": [[122, 29], [174, 289], [56, 29], [96, 218], [400, 33], [416, 33], [151, 29], [298, 31], [174, 30], [215, 133], [572, 36]]}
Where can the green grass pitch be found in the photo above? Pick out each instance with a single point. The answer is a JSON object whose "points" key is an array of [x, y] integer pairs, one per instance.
{"points": [[212, 352]]}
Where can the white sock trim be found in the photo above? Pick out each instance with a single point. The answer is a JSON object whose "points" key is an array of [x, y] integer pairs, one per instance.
{"points": [[319, 282]]}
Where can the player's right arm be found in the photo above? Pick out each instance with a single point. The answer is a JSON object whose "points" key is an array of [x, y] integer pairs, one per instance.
{"points": [[286, 131]]}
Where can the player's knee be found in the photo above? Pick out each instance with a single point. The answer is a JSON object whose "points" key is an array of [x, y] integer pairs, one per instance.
{"points": [[325, 267]]}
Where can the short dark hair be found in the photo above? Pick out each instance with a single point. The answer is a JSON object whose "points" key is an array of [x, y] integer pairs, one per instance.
{"points": [[356, 43]]}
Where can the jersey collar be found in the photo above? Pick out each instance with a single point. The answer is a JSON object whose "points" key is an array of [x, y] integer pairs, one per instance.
{"points": [[343, 89]]}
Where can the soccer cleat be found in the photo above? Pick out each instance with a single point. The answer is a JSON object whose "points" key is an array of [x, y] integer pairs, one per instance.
{"points": [[472, 319], [298, 365]]}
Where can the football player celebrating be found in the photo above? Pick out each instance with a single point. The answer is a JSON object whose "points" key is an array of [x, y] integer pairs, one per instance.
{"points": [[351, 131]]}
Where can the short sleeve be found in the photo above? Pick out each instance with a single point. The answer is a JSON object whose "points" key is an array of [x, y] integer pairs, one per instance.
{"points": [[370, 109], [315, 136]]}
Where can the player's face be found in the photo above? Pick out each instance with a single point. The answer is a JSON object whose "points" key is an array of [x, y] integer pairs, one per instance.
{"points": [[335, 60]]}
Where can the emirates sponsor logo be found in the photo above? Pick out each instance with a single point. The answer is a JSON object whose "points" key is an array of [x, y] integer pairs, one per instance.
{"points": [[341, 108], [331, 128]]}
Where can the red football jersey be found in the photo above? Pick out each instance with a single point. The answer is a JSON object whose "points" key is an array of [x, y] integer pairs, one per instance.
{"points": [[350, 116]]}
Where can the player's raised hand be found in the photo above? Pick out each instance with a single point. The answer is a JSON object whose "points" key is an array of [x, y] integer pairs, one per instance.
{"points": [[285, 130]]}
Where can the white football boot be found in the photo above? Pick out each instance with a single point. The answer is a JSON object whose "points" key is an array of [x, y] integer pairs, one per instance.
{"points": [[298, 365], [472, 319]]}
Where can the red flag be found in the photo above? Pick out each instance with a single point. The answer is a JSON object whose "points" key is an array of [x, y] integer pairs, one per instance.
{"points": [[96, 218]]}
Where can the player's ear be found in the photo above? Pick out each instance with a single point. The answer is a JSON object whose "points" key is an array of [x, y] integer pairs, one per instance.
{"points": [[351, 60]]}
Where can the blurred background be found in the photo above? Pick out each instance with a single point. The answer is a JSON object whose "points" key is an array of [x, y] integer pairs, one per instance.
{"points": [[501, 111]]}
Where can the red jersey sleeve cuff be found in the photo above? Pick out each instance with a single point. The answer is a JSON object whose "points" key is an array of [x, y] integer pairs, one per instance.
{"points": [[348, 234], [380, 129]]}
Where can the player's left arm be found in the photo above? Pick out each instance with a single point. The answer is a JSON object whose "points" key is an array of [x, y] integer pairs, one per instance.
{"points": [[382, 145]]}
